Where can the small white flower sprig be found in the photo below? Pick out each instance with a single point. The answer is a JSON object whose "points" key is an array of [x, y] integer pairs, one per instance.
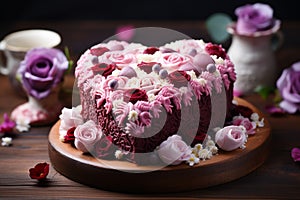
{"points": [[200, 153]]}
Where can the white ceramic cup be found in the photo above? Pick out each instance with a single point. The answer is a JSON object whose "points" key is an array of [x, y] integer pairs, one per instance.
{"points": [[15, 45]]}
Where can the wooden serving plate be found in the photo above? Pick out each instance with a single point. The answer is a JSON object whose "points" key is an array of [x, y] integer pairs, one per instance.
{"points": [[122, 176]]}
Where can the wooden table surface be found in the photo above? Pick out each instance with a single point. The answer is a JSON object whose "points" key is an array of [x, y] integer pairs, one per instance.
{"points": [[277, 178]]}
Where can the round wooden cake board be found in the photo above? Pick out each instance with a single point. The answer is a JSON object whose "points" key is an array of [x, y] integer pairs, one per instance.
{"points": [[122, 176]]}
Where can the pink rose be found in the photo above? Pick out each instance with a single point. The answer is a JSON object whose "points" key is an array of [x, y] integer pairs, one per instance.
{"points": [[172, 61], [69, 118], [174, 150], [121, 59], [245, 122], [231, 137], [86, 135]]}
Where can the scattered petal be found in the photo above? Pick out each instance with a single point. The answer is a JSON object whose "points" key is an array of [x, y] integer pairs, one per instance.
{"points": [[22, 124], [295, 153], [7, 125], [6, 141], [40, 171], [274, 110]]}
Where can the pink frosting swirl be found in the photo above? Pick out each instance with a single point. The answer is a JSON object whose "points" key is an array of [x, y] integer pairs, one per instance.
{"points": [[121, 59]]}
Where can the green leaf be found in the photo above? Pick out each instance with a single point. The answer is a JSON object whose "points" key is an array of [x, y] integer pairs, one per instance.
{"points": [[216, 25], [264, 91], [277, 98], [70, 66]]}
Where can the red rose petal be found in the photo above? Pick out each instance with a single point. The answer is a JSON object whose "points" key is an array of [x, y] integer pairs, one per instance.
{"points": [[40, 171], [151, 50], [99, 51]]}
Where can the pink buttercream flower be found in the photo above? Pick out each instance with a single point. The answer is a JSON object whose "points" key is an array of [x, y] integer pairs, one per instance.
{"points": [[174, 150], [121, 59], [145, 118], [166, 94], [245, 122], [86, 135], [134, 129], [288, 85], [172, 61], [231, 137]]}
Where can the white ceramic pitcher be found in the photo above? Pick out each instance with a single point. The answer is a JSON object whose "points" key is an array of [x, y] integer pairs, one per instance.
{"points": [[254, 58]]}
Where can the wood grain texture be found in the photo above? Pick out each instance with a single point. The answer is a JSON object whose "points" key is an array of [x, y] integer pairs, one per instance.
{"points": [[277, 178]]}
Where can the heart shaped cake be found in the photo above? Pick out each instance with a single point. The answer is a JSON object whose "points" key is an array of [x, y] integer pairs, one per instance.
{"points": [[149, 104]]}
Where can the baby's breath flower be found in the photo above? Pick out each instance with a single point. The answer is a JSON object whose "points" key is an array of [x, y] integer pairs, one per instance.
{"points": [[204, 154], [119, 154], [192, 160]]}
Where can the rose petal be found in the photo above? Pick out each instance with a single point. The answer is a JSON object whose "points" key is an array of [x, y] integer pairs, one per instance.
{"points": [[296, 66], [295, 153], [274, 110], [288, 107], [41, 67], [41, 70], [40, 171]]}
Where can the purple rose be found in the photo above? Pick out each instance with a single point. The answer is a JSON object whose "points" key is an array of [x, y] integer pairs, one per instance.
{"points": [[41, 70], [252, 18], [288, 85]]}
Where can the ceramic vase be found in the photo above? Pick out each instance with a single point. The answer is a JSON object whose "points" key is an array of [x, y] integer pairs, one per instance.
{"points": [[254, 58], [39, 112]]}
